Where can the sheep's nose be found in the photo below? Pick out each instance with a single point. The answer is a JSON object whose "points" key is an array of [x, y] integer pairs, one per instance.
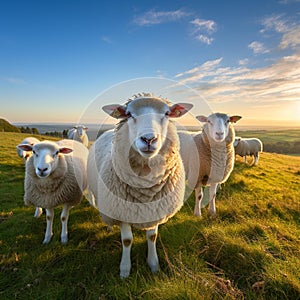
{"points": [[42, 170], [220, 134], [148, 139]]}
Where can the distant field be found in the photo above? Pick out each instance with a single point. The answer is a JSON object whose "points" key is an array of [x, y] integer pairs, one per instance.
{"points": [[250, 250]]}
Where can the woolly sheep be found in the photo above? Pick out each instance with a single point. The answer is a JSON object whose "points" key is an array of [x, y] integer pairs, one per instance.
{"points": [[248, 146], [55, 175], [78, 133], [135, 171], [215, 155], [25, 155]]}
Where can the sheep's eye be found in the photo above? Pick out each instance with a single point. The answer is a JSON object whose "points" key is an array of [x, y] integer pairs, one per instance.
{"points": [[55, 154], [209, 122], [35, 153]]}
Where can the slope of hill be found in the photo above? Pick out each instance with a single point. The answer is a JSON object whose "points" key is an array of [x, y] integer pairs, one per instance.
{"points": [[250, 250], [5, 126]]}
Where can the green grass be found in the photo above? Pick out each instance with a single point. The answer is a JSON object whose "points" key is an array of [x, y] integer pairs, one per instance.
{"points": [[249, 251]]}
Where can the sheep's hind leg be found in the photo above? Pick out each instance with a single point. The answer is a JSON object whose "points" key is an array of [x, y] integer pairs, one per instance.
{"points": [[199, 197], [49, 221], [38, 212], [212, 198], [152, 253], [64, 217], [126, 237]]}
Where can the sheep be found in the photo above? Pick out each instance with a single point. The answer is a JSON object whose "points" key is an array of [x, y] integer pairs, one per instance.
{"points": [[78, 133], [215, 155], [135, 172], [25, 155], [248, 146], [55, 174]]}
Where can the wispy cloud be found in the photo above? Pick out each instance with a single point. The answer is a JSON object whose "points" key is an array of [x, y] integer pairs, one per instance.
{"points": [[203, 29], [106, 39], [13, 80], [154, 17], [258, 48], [277, 82], [276, 23], [291, 38]]}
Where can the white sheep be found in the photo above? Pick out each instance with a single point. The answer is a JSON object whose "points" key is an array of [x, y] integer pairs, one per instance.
{"points": [[55, 175], [213, 161], [25, 155], [78, 133], [135, 171], [248, 146]]}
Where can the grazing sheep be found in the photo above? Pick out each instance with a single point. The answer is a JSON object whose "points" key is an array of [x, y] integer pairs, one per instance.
{"points": [[215, 155], [55, 175], [250, 146], [25, 155], [78, 133], [135, 172]]}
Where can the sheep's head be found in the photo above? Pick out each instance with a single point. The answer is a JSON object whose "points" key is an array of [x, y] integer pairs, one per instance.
{"points": [[147, 119], [218, 125], [80, 129], [45, 156]]}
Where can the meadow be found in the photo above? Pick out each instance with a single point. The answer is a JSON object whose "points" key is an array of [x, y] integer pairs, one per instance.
{"points": [[250, 250]]}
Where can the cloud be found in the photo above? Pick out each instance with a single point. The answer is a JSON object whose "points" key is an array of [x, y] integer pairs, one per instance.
{"points": [[13, 80], [291, 38], [276, 23], [276, 83], [106, 39], [153, 17], [206, 25], [203, 29], [258, 48], [243, 62]]}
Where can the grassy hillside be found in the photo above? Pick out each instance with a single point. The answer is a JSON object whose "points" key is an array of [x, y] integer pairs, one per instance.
{"points": [[249, 251], [5, 126]]}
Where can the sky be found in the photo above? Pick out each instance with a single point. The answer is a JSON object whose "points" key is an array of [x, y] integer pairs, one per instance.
{"points": [[61, 61]]}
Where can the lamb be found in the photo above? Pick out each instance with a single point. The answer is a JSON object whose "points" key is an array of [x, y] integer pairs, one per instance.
{"points": [[25, 155], [215, 155], [55, 175], [78, 133], [248, 146], [135, 172]]}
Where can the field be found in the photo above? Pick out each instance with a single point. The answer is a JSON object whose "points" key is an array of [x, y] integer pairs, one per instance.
{"points": [[250, 250]]}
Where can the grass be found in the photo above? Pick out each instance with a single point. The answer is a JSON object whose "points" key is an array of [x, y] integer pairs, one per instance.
{"points": [[249, 251]]}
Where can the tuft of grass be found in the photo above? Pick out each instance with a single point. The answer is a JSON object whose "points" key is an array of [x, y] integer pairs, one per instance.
{"points": [[250, 250]]}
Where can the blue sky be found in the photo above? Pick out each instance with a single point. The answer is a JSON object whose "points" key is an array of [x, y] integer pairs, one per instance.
{"points": [[60, 60]]}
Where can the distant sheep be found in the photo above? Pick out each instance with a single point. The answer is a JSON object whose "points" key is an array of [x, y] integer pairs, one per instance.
{"points": [[248, 146], [25, 155], [27, 141], [78, 133], [213, 160], [55, 175], [135, 171]]}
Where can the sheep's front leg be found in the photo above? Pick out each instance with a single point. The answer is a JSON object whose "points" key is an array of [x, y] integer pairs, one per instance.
{"points": [[199, 197], [49, 221], [126, 237], [64, 223], [212, 198], [38, 212], [152, 254]]}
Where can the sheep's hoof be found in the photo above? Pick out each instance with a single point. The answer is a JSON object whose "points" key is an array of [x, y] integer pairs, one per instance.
{"points": [[154, 268], [64, 240], [197, 213], [124, 273], [47, 239]]}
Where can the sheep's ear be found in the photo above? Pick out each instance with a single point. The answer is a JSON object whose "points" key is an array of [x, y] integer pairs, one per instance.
{"points": [[179, 109], [25, 147], [234, 119], [85, 128], [201, 119], [65, 150], [116, 111]]}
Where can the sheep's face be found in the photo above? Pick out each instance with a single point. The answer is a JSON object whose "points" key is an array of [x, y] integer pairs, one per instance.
{"points": [[218, 125], [147, 120], [45, 157], [80, 130]]}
